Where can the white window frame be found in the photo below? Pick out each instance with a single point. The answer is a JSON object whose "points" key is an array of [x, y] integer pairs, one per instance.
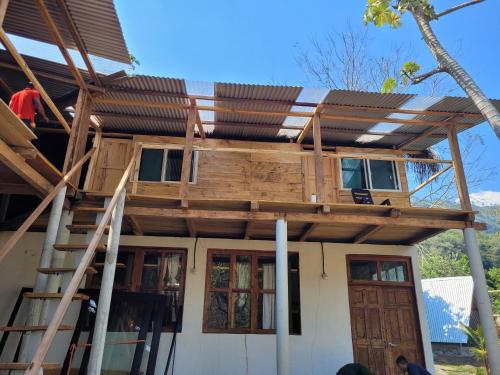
{"points": [[368, 175], [165, 149]]}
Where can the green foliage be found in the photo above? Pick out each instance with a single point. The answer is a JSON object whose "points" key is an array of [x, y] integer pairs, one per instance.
{"points": [[477, 337], [495, 302], [134, 61], [408, 71], [388, 86], [493, 278], [434, 265], [382, 12]]}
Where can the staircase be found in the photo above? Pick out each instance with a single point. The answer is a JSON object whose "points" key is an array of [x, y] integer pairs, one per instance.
{"points": [[108, 220]]}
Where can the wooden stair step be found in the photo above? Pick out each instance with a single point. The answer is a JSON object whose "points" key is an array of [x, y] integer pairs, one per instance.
{"points": [[24, 366], [84, 227], [51, 271], [45, 295], [33, 328], [77, 247], [89, 209]]}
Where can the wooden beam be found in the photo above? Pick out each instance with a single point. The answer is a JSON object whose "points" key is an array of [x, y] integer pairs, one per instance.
{"points": [[68, 20], [3, 10], [6, 87], [18, 189], [417, 138], [458, 167], [331, 218], [136, 226], [199, 124], [19, 166], [305, 130], [58, 39], [369, 231], [307, 231], [11, 242], [191, 227], [22, 64], [423, 235], [430, 179], [254, 206], [187, 155], [318, 160]]}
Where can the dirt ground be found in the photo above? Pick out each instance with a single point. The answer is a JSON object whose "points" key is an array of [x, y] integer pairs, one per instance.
{"points": [[455, 365]]}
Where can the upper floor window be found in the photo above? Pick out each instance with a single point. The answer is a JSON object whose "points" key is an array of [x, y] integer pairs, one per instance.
{"points": [[240, 292], [369, 174], [379, 269], [164, 165]]}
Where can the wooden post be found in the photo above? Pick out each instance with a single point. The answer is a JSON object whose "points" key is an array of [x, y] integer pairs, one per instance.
{"points": [[187, 155], [22, 64], [79, 133], [458, 168], [318, 160], [101, 322], [3, 10]]}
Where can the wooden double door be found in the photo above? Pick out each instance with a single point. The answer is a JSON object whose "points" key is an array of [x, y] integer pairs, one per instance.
{"points": [[385, 325]]}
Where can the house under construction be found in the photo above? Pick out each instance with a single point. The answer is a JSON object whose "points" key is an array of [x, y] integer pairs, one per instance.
{"points": [[152, 229]]}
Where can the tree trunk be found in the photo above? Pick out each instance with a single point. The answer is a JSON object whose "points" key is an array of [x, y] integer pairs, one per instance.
{"points": [[458, 73]]}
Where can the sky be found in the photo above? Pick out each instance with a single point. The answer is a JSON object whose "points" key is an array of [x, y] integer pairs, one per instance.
{"points": [[258, 42]]}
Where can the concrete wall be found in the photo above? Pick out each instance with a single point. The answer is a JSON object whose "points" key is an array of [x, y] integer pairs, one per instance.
{"points": [[325, 343]]}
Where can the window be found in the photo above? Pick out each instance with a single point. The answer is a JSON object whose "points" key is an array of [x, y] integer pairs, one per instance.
{"points": [[369, 174], [379, 269], [148, 271], [240, 292], [164, 165]]}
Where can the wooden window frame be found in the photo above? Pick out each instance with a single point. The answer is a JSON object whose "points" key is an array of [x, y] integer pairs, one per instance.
{"points": [[368, 176], [138, 267], [378, 259], [254, 291], [166, 148]]}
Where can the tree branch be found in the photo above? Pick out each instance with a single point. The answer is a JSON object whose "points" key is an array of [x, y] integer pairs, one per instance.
{"points": [[457, 7], [422, 77]]}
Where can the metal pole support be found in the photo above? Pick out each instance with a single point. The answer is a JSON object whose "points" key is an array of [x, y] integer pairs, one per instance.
{"points": [[282, 325]]}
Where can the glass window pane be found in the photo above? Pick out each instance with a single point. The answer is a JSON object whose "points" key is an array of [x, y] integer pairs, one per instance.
{"points": [[383, 176], [394, 271], [363, 270], [172, 269], [353, 174], [243, 272], [266, 272], [173, 309], [151, 164], [150, 272], [217, 310], [266, 311], [173, 167], [294, 293], [220, 271], [241, 310]]}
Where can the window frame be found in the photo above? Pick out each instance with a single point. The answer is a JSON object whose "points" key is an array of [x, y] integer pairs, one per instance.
{"points": [[138, 267], [368, 175], [166, 148], [254, 291], [378, 259]]}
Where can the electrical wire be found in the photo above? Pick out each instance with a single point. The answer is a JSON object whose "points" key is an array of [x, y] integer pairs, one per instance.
{"points": [[193, 270], [323, 274]]}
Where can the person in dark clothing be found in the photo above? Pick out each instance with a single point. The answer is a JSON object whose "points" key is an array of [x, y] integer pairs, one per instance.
{"points": [[354, 369], [410, 368]]}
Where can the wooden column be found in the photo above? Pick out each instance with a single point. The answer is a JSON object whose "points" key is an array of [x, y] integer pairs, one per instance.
{"points": [[78, 136], [458, 168], [27, 71], [187, 156], [318, 160]]}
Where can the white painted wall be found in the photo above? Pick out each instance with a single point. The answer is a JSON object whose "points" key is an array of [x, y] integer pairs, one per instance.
{"points": [[325, 343]]}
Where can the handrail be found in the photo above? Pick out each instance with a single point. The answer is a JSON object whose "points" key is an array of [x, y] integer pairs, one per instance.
{"points": [[9, 245], [430, 179], [63, 306]]}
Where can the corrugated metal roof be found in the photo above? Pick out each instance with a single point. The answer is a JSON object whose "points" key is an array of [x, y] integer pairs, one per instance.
{"points": [[448, 303], [95, 20]]}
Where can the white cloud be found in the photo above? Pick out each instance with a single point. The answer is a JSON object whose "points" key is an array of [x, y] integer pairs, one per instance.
{"points": [[485, 198]]}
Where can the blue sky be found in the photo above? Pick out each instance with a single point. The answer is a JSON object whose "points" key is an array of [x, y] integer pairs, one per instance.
{"points": [[258, 42]]}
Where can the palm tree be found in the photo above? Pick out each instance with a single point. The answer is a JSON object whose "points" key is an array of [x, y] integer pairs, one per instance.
{"points": [[479, 351], [383, 12]]}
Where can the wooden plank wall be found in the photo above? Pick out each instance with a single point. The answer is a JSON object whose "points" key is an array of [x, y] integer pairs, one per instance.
{"points": [[234, 175]]}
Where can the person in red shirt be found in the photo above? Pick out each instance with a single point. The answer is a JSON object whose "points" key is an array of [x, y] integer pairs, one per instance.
{"points": [[24, 103]]}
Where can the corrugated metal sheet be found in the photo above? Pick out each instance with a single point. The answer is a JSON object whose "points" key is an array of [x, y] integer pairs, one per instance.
{"points": [[257, 92], [448, 302], [96, 21]]}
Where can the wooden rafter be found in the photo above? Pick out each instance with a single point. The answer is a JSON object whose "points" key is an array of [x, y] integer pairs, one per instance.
{"points": [[3, 10], [370, 230], [307, 231], [308, 125], [22, 64], [199, 124], [136, 226], [417, 138], [68, 20], [58, 39], [191, 227]]}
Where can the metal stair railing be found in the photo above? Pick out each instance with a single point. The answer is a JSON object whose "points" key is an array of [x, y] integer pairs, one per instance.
{"points": [[74, 284]]}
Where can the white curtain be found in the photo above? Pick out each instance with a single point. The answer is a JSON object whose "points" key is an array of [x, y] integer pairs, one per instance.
{"points": [[269, 282], [243, 274], [173, 264]]}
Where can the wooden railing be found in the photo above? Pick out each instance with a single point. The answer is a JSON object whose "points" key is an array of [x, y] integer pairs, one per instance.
{"points": [[11, 242], [74, 284]]}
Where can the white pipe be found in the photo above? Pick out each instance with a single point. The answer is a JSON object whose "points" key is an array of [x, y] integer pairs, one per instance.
{"points": [[108, 276], [29, 342], [282, 327], [483, 300]]}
